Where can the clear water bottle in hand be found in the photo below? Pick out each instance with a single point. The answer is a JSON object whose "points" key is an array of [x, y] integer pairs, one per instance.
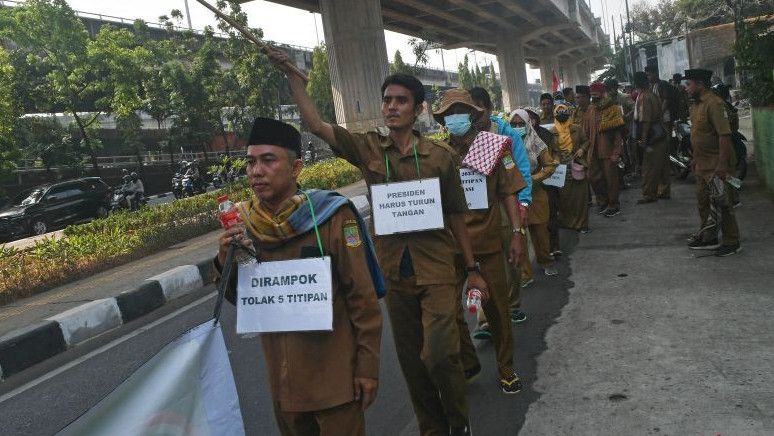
{"points": [[474, 300]]}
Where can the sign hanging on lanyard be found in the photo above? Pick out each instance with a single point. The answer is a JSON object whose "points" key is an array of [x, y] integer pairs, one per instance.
{"points": [[404, 207], [558, 177], [412, 206], [285, 296], [474, 185]]}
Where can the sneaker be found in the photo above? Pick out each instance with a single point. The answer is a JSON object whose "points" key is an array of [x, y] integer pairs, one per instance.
{"points": [[551, 270], [556, 253], [472, 374], [728, 250], [482, 332], [526, 282], [609, 213], [585, 231], [511, 385], [701, 245], [737, 204], [518, 317], [461, 431], [602, 209]]}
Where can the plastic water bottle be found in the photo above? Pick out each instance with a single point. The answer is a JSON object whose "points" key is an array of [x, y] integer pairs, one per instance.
{"points": [[228, 212], [229, 216], [474, 300]]}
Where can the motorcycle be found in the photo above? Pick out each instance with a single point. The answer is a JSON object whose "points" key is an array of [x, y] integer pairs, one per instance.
{"points": [[682, 155], [177, 186], [120, 200]]}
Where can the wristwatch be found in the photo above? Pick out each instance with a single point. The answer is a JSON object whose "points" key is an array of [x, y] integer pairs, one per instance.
{"points": [[520, 230], [475, 268]]}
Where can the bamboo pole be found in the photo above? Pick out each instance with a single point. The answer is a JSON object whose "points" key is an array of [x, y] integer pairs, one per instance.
{"points": [[249, 35]]}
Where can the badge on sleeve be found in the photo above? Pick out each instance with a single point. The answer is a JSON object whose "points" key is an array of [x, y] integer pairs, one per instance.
{"points": [[508, 162], [352, 234]]}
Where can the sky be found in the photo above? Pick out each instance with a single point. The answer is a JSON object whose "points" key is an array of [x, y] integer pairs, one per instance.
{"points": [[274, 19]]}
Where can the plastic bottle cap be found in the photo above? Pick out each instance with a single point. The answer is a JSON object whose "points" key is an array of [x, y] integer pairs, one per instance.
{"points": [[222, 198]]}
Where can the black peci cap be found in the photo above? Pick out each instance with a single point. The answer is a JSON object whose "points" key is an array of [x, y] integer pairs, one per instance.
{"points": [[268, 131], [699, 75], [583, 89]]}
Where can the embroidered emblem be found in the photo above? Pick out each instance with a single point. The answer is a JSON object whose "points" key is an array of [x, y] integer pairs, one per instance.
{"points": [[508, 162], [352, 234]]}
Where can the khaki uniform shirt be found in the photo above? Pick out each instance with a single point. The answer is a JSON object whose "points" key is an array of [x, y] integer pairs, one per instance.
{"points": [[648, 109], [709, 122], [432, 251], [311, 371], [484, 225]]}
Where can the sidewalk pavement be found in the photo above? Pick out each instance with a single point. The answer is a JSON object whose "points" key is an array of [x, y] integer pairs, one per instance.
{"points": [[35, 328], [655, 340]]}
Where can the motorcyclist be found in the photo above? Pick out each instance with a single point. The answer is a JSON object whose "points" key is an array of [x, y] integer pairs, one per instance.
{"points": [[136, 191]]}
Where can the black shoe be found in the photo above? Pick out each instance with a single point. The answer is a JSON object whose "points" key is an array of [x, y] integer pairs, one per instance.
{"points": [[602, 209], [472, 374], [518, 316], [556, 253], [700, 245], [609, 213], [728, 250], [511, 385]]}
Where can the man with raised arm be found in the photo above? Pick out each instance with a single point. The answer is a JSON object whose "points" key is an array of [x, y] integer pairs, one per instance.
{"points": [[418, 211]]}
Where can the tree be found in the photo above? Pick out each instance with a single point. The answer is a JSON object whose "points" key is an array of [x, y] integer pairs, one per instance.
{"points": [[319, 86], [669, 18], [463, 73], [753, 53], [420, 47], [398, 66], [9, 112]]}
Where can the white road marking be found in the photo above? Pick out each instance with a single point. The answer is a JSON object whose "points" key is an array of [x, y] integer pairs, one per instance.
{"points": [[102, 349]]}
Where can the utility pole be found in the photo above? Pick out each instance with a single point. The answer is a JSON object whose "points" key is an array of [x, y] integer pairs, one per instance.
{"points": [[631, 40], [615, 37], [188, 15]]}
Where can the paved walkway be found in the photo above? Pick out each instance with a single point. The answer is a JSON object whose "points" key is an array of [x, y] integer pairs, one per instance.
{"points": [[657, 341], [110, 283]]}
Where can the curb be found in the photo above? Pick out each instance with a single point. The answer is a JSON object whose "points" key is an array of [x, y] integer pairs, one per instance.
{"points": [[22, 348]]}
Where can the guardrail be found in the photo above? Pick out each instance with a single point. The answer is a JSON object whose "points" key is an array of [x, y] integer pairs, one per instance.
{"points": [[131, 161]]}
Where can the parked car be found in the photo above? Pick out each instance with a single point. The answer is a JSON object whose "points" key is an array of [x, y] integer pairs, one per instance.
{"points": [[41, 209]]}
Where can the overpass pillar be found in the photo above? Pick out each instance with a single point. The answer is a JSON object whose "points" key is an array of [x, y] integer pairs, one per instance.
{"points": [[548, 65], [513, 71], [583, 72], [357, 55], [570, 76]]}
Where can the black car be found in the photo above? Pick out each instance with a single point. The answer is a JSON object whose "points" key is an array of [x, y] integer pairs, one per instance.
{"points": [[39, 210]]}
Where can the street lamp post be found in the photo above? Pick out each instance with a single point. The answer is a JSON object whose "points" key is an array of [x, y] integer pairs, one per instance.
{"points": [[188, 15]]}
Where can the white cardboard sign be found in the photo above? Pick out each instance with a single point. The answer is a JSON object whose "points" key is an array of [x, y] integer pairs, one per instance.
{"points": [[558, 177], [402, 207], [474, 185], [285, 296]]}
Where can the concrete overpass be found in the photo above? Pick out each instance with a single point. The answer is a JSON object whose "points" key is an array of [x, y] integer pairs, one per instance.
{"points": [[556, 35]]}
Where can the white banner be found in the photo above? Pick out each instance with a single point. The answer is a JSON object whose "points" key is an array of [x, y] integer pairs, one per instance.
{"points": [[403, 207], [474, 185], [558, 177], [187, 388], [285, 296]]}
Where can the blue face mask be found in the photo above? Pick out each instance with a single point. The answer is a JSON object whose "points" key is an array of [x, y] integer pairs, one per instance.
{"points": [[521, 130], [457, 124]]}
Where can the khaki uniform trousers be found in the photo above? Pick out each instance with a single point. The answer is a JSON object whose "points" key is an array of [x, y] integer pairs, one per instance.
{"points": [[346, 419], [541, 243], [728, 225], [605, 181], [655, 171], [496, 310], [427, 340]]}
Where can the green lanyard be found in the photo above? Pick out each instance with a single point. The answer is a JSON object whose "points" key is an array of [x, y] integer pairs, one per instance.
{"points": [[416, 161], [314, 220]]}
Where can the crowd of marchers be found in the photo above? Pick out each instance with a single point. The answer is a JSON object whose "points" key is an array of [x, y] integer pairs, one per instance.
{"points": [[500, 183]]}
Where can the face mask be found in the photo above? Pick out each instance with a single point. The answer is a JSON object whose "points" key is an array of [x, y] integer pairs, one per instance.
{"points": [[562, 118], [457, 124], [521, 130]]}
